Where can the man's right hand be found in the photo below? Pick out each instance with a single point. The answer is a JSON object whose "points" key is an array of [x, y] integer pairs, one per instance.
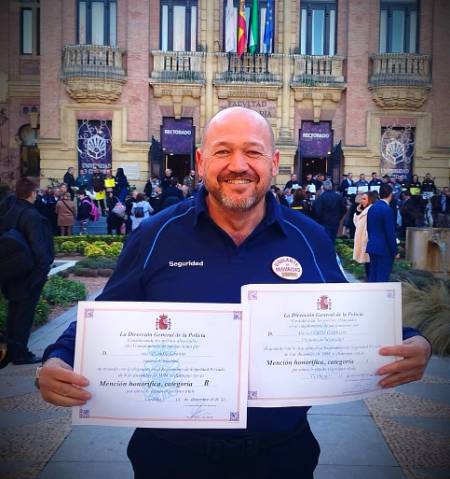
{"points": [[60, 386]]}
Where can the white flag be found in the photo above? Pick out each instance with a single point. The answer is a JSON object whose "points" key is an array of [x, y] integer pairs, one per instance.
{"points": [[230, 27]]}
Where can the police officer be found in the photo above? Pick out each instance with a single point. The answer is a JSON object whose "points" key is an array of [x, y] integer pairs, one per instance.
{"points": [[230, 234]]}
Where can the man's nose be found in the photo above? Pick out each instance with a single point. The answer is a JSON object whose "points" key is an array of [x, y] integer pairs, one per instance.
{"points": [[238, 162]]}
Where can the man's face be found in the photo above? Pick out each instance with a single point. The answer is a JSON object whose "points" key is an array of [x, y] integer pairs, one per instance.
{"points": [[95, 170], [374, 176], [192, 173], [82, 172], [350, 176], [445, 191], [236, 160], [362, 176], [168, 172], [294, 177], [308, 177]]}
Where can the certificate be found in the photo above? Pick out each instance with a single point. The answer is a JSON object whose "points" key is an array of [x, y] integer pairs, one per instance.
{"points": [[163, 365], [363, 189], [315, 344], [351, 190]]}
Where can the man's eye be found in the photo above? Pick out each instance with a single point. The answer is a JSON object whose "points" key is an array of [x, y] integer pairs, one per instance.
{"points": [[222, 152], [254, 153]]}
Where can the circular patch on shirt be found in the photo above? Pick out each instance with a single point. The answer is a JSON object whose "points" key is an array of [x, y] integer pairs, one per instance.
{"points": [[287, 267]]}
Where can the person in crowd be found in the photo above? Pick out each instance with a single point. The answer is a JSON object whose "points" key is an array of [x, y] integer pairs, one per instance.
{"points": [[365, 201], [191, 183], [167, 180], [301, 203], [440, 204], [114, 219], [148, 188], [362, 181], [171, 194], [48, 206], [98, 184], [279, 196], [237, 228], [130, 200], [386, 179], [318, 182], [84, 211], [140, 210], [293, 181], [84, 180], [428, 185], [122, 185], [404, 183], [415, 186], [375, 181], [328, 209], [346, 183], [23, 291], [110, 181], [65, 212], [382, 242], [69, 180]]}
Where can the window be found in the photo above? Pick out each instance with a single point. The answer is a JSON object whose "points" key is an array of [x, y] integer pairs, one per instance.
{"points": [[230, 26], [178, 25], [318, 27], [97, 22], [30, 28], [398, 26]]}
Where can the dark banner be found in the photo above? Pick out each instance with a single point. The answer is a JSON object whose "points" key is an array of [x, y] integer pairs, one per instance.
{"points": [[316, 139], [177, 136], [397, 151], [94, 144]]}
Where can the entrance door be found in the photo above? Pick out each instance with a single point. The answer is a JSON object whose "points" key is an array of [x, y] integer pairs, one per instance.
{"points": [[180, 165], [313, 166]]}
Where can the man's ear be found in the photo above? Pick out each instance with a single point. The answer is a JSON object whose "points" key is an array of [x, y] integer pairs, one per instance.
{"points": [[199, 162], [275, 162]]}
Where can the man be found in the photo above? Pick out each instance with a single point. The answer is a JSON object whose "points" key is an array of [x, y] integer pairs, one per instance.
{"points": [[167, 179], [375, 181], [362, 181], [84, 180], [236, 228], [23, 292], [428, 185], [98, 184], [382, 244], [328, 210], [440, 204], [190, 182], [293, 181], [346, 183], [69, 180]]}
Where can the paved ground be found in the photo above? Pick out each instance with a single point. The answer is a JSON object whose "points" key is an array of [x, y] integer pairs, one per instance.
{"points": [[404, 434]]}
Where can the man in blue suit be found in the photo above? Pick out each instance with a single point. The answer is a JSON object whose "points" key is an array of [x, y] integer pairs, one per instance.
{"points": [[382, 244]]}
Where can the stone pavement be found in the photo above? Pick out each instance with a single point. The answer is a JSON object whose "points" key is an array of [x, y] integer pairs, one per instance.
{"points": [[403, 434]]}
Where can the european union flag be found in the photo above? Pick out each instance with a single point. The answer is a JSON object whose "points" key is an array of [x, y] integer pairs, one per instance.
{"points": [[268, 28]]}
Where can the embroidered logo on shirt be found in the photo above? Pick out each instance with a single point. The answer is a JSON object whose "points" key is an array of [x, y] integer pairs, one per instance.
{"points": [[185, 264], [287, 267]]}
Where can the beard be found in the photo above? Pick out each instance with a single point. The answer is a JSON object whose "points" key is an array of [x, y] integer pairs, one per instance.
{"points": [[232, 202]]}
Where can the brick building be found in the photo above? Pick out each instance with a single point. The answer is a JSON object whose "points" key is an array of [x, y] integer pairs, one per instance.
{"points": [[360, 85]]}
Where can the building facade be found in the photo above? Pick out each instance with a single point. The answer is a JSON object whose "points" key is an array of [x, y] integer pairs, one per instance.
{"points": [[347, 85]]}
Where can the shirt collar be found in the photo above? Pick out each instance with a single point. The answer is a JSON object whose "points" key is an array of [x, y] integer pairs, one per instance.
{"points": [[273, 214]]}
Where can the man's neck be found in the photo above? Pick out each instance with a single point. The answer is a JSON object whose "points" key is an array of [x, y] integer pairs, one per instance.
{"points": [[237, 224]]}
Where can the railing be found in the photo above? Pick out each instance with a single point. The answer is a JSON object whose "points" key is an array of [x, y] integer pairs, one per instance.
{"points": [[92, 61], [400, 69], [249, 68], [318, 70], [178, 66]]}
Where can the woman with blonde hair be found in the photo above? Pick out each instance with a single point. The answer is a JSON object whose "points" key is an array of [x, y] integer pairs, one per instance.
{"points": [[360, 221]]}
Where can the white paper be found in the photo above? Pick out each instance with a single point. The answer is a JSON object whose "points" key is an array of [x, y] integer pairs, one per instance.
{"points": [[363, 189], [163, 365], [375, 188], [314, 344], [352, 190]]}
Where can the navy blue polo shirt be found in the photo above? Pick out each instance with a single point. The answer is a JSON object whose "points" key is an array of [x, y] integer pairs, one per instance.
{"points": [[181, 255]]}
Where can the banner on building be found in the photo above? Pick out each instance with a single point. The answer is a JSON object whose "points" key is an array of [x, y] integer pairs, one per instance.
{"points": [[397, 151], [177, 136], [316, 139], [94, 145]]}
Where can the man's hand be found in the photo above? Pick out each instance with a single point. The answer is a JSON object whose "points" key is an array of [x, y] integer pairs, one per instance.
{"points": [[60, 386], [415, 351]]}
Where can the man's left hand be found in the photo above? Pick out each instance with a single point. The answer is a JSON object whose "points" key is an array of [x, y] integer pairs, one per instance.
{"points": [[415, 353]]}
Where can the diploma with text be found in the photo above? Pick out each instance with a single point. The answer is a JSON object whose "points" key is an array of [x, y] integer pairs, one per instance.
{"points": [[314, 344], [163, 365]]}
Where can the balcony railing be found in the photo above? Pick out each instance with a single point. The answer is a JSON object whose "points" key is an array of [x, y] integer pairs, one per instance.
{"points": [[400, 69], [179, 67], [258, 68], [95, 61], [311, 70]]}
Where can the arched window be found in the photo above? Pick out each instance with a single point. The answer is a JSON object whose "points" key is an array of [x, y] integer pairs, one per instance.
{"points": [[97, 20]]}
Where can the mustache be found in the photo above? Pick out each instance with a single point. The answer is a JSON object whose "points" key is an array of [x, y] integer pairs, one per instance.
{"points": [[235, 176]]}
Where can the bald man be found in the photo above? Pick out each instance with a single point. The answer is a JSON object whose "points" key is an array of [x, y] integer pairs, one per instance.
{"points": [[228, 236]]}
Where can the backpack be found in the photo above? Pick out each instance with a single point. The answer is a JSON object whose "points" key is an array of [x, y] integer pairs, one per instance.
{"points": [[119, 210], [16, 257], [138, 212], [94, 214]]}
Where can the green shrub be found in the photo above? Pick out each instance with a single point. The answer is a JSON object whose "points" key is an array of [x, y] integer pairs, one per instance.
{"points": [[81, 245], [94, 251], [98, 263], [62, 291], [68, 247]]}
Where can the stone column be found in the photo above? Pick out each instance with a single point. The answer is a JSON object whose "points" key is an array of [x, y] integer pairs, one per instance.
{"points": [[285, 135], [210, 58]]}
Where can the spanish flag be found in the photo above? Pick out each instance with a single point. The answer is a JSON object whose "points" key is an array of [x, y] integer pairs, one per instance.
{"points": [[242, 29]]}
